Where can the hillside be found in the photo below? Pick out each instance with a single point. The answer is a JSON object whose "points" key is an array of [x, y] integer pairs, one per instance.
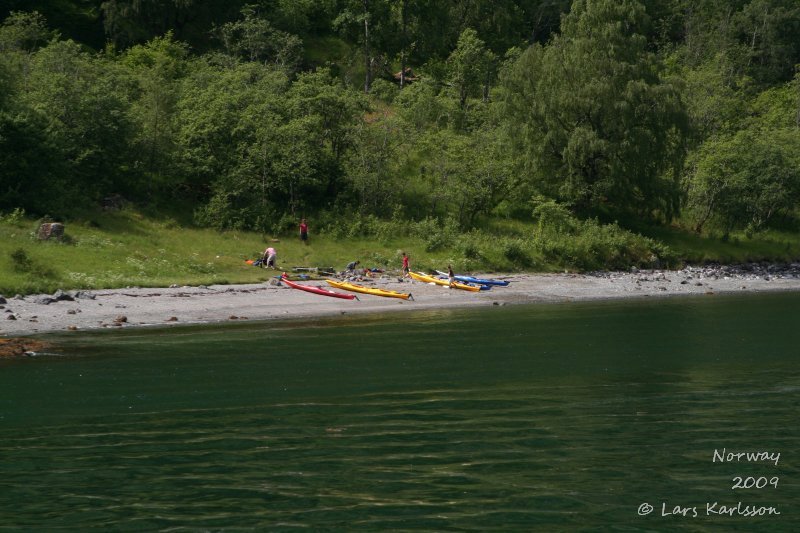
{"points": [[523, 134]]}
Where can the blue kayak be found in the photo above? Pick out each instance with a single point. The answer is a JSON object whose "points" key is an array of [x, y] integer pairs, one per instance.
{"points": [[479, 281]]}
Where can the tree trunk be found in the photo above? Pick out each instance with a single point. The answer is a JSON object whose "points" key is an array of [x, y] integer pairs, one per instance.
{"points": [[403, 24], [486, 83], [367, 58]]}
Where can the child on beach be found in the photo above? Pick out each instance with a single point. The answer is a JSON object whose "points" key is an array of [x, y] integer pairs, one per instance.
{"points": [[304, 231]]}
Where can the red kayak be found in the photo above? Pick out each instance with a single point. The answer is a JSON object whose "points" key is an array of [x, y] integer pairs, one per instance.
{"points": [[316, 290]]}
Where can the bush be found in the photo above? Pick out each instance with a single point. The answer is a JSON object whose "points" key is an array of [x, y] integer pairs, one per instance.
{"points": [[436, 234], [20, 261], [384, 90], [514, 251], [594, 246], [15, 217], [552, 218]]}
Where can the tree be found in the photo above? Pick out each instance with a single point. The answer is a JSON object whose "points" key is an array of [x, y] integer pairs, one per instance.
{"points": [[745, 178], [769, 28], [24, 32], [256, 147], [470, 67], [373, 166], [466, 175], [157, 68], [129, 22], [336, 108], [33, 175], [755, 38], [592, 121], [370, 21], [218, 107], [255, 39], [744, 181], [82, 103]]}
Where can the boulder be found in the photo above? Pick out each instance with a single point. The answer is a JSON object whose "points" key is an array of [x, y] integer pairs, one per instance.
{"points": [[50, 230]]}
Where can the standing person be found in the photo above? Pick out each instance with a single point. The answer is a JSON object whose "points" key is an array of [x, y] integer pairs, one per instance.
{"points": [[351, 266], [304, 231], [405, 265], [270, 255], [451, 276]]}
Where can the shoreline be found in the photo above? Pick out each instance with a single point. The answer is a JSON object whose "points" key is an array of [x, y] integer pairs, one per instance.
{"points": [[89, 310]]}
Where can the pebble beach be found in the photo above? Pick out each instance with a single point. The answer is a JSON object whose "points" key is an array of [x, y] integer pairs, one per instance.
{"points": [[134, 307]]}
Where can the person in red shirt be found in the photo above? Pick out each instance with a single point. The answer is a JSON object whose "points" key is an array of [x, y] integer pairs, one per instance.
{"points": [[405, 265], [304, 231]]}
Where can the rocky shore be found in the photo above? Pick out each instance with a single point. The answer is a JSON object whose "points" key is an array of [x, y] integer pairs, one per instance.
{"points": [[147, 307]]}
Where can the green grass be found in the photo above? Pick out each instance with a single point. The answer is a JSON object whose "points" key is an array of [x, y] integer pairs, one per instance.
{"points": [[127, 248], [772, 246]]}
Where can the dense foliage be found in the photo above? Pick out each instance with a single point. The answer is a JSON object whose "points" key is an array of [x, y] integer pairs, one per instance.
{"points": [[256, 113]]}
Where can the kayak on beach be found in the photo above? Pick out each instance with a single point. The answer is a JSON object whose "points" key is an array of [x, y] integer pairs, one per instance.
{"points": [[316, 290], [346, 285], [457, 285], [479, 281]]}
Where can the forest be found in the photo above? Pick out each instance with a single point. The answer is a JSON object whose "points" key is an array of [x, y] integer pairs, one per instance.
{"points": [[601, 119]]}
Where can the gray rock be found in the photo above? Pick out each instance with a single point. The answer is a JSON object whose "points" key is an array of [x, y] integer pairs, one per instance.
{"points": [[43, 300], [61, 296], [2, 300], [83, 295]]}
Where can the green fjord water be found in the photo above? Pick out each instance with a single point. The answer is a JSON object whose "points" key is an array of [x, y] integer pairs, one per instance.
{"points": [[555, 418]]}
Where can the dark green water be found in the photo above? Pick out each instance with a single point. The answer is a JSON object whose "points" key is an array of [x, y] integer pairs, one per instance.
{"points": [[548, 418]]}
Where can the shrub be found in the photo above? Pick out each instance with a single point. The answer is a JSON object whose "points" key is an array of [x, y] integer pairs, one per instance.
{"points": [[514, 251], [436, 234], [384, 90], [20, 261], [15, 217]]}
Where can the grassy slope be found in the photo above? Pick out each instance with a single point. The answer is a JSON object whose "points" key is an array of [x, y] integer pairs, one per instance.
{"points": [[128, 249], [773, 246]]}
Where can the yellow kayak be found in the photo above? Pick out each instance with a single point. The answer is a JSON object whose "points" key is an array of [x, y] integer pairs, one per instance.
{"points": [[346, 285], [431, 279]]}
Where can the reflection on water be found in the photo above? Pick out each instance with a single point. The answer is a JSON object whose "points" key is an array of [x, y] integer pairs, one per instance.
{"points": [[549, 418]]}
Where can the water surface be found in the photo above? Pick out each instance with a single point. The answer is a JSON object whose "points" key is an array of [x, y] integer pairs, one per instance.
{"points": [[552, 417]]}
